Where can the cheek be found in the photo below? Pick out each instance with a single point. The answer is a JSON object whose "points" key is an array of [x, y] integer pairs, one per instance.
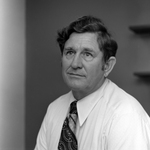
{"points": [[64, 64], [95, 71]]}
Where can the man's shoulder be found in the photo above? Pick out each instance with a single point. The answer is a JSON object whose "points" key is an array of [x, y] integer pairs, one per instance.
{"points": [[114, 91], [61, 99], [121, 101], [60, 103]]}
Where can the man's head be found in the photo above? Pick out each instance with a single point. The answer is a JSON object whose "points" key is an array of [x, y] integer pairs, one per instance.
{"points": [[88, 55], [92, 25]]}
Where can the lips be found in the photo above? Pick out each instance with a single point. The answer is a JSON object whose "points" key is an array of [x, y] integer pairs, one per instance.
{"points": [[75, 74]]}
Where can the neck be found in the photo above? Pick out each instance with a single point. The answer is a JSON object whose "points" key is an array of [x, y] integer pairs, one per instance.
{"points": [[79, 94]]}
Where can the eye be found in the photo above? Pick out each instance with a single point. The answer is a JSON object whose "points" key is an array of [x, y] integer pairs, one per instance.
{"points": [[88, 56], [69, 53]]}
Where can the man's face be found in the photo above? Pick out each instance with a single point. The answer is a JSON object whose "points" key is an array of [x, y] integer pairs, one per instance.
{"points": [[82, 63]]}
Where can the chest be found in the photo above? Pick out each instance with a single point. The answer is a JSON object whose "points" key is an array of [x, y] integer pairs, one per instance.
{"points": [[92, 135]]}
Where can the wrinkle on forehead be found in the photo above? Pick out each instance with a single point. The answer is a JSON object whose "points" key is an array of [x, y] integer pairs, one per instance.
{"points": [[82, 41]]}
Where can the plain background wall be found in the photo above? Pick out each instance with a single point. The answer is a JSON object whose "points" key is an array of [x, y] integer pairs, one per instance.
{"points": [[44, 82], [12, 74]]}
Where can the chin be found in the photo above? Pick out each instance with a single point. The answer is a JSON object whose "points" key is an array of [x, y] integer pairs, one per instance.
{"points": [[76, 87]]}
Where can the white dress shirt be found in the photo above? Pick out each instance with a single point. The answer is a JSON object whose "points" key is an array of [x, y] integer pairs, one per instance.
{"points": [[108, 119]]}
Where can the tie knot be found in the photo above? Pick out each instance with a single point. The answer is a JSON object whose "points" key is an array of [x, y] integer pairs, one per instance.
{"points": [[73, 108]]}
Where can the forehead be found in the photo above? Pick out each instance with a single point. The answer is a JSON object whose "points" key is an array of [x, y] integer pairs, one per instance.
{"points": [[82, 40]]}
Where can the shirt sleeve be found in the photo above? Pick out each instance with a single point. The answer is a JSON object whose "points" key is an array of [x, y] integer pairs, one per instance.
{"points": [[41, 138], [129, 132]]}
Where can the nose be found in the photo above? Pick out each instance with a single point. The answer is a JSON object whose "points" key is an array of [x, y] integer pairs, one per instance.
{"points": [[76, 62]]}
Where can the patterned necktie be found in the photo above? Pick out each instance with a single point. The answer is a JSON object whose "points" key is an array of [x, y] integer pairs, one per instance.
{"points": [[68, 140]]}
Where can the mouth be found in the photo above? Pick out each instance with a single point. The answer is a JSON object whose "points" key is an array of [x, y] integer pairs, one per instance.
{"points": [[76, 75]]}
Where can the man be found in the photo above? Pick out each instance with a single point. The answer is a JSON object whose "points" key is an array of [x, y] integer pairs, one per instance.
{"points": [[107, 118]]}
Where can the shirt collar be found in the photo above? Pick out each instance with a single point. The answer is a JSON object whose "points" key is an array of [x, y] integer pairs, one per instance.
{"points": [[85, 105]]}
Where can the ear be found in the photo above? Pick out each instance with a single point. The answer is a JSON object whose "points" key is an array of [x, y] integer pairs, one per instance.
{"points": [[109, 65]]}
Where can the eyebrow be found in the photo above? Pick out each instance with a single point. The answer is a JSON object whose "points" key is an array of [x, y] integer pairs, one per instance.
{"points": [[68, 48], [85, 49], [88, 49]]}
